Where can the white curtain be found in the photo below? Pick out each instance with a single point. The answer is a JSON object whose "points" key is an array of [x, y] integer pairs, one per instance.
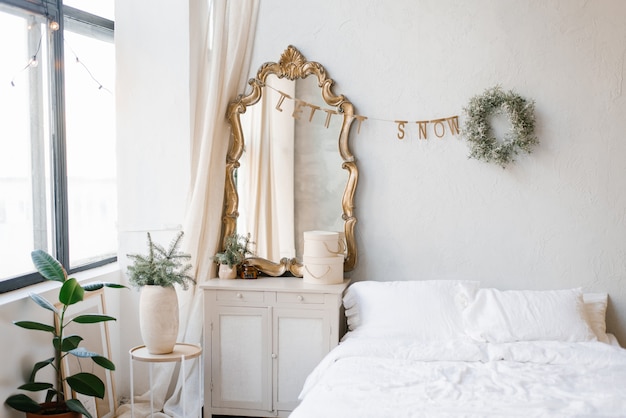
{"points": [[221, 41], [266, 176]]}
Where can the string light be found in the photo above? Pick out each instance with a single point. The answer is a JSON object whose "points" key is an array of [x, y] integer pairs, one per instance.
{"points": [[78, 61], [33, 62]]}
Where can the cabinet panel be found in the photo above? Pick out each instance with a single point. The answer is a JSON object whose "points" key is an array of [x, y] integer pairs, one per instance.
{"points": [[241, 374], [301, 339], [265, 337]]}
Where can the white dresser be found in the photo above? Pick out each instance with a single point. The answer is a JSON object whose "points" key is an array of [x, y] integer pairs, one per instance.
{"points": [[262, 338]]}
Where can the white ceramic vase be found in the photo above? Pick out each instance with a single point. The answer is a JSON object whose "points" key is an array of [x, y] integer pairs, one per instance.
{"points": [[227, 272], [158, 318]]}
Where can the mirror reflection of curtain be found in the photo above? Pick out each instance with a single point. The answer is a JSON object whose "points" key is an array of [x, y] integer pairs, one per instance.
{"points": [[265, 180]]}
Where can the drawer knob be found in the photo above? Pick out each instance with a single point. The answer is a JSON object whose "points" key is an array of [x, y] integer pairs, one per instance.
{"points": [[274, 355], [239, 295], [300, 298]]}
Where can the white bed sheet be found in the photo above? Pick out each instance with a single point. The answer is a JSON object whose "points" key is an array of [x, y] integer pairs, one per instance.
{"points": [[369, 377]]}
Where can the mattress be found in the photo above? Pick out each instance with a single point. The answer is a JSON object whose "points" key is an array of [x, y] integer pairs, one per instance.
{"points": [[399, 377]]}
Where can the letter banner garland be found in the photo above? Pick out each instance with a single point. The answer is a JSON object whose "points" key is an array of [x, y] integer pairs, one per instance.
{"points": [[449, 125], [440, 127]]}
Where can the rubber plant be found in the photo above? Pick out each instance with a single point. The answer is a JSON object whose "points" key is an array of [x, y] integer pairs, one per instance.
{"points": [[57, 401]]}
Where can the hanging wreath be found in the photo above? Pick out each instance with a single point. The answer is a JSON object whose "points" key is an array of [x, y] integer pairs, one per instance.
{"points": [[477, 130]]}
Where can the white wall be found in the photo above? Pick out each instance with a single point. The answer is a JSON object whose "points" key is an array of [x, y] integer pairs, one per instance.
{"points": [[152, 97], [556, 218]]}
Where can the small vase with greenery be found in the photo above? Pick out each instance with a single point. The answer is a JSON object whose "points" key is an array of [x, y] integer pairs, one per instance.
{"points": [[236, 248], [57, 401], [161, 267], [155, 274]]}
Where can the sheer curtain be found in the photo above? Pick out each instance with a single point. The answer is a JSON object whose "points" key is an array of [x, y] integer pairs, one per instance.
{"points": [[221, 40], [221, 44], [266, 176]]}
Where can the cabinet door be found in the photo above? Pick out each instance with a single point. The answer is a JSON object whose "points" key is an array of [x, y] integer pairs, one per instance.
{"points": [[241, 366], [301, 340]]}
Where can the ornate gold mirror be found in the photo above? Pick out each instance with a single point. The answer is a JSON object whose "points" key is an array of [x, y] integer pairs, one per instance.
{"points": [[289, 168]]}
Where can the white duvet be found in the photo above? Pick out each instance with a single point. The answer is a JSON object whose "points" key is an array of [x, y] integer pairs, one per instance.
{"points": [[369, 377]]}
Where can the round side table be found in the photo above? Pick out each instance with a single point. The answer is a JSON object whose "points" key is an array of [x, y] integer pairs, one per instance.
{"points": [[182, 353]]}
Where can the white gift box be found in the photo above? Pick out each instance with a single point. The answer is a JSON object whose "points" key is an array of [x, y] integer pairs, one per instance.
{"points": [[323, 270], [323, 244]]}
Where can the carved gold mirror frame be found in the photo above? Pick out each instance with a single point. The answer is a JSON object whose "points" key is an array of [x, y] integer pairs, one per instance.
{"points": [[292, 65]]}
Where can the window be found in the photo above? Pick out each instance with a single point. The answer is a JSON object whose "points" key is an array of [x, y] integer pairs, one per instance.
{"points": [[57, 137]]}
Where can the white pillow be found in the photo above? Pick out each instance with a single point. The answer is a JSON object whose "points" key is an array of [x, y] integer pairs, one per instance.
{"points": [[595, 310], [425, 310], [525, 315]]}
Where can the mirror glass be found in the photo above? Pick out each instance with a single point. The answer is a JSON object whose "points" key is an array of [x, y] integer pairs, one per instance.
{"points": [[289, 168], [290, 178]]}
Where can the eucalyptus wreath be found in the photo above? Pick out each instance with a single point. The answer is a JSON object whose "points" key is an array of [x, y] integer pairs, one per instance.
{"points": [[477, 130]]}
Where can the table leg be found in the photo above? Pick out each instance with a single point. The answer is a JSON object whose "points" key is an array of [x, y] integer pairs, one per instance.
{"points": [[132, 391], [151, 393], [200, 385], [182, 366]]}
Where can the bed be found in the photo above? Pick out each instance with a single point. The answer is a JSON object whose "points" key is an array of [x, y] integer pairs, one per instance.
{"points": [[450, 349]]}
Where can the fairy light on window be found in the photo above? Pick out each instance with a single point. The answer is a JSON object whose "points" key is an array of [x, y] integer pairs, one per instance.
{"points": [[33, 62], [78, 61]]}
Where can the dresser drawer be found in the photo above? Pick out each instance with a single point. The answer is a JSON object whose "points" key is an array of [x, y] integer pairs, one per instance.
{"points": [[239, 296], [303, 298]]}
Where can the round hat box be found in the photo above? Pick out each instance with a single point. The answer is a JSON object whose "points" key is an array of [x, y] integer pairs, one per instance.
{"points": [[323, 270], [323, 244]]}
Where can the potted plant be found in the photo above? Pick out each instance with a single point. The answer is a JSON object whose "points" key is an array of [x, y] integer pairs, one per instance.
{"points": [[57, 401], [236, 248], [155, 274]]}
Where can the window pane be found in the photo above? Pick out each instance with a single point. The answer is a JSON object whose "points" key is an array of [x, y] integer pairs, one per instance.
{"points": [[102, 8], [90, 130], [24, 146]]}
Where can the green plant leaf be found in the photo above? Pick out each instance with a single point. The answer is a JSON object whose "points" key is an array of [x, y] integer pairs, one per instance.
{"points": [[38, 366], [47, 266], [104, 362], [76, 406], [35, 325], [82, 352], [22, 403], [71, 342], [92, 319], [55, 343], [35, 386], [43, 302], [50, 395], [87, 384], [71, 292], [90, 287]]}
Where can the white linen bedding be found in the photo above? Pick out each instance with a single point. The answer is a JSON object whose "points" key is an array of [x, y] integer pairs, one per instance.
{"points": [[401, 377]]}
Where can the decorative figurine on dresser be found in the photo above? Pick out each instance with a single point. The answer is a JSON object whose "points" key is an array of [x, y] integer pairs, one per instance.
{"points": [[263, 337]]}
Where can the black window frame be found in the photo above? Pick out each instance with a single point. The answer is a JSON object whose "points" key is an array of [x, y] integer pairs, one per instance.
{"points": [[52, 10]]}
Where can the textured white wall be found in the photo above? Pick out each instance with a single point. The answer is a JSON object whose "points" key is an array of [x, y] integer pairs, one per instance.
{"points": [[152, 98], [556, 218]]}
